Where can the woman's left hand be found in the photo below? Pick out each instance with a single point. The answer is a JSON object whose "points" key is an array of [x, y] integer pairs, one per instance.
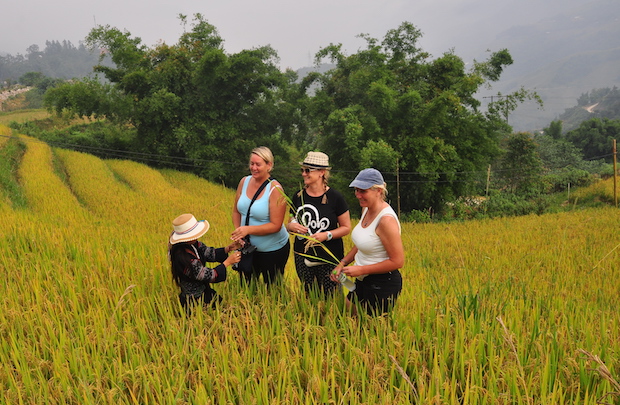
{"points": [[353, 271], [335, 274], [320, 236]]}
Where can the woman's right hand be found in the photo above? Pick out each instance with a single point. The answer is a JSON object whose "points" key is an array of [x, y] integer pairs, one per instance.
{"points": [[296, 227]]}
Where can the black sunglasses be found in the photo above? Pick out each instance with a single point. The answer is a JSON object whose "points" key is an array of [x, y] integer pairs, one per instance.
{"points": [[307, 170]]}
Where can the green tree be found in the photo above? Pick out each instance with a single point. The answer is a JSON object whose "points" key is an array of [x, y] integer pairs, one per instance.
{"points": [[521, 167], [190, 100], [554, 130], [594, 138], [31, 78], [558, 153], [390, 102]]}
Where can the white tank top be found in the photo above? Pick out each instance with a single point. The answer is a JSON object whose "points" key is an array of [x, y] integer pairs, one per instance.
{"points": [[370, 250]]}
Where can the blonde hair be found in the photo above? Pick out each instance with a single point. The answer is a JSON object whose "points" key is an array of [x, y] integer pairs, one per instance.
{"points": [[326, 177], [264, 153], [382, 190]]}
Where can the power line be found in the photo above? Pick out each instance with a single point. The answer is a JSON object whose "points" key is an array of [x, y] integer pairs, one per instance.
{"points": [[190, 163]]}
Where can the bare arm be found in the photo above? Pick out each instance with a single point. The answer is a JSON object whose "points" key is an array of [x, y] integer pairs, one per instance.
{"points": [[236, 215], [388, 232], [344, 225], [277, 211], [346, 260]]}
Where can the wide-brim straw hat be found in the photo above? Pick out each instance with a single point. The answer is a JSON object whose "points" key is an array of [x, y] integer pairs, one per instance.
{"points": [[316, 160], [187, 228]]}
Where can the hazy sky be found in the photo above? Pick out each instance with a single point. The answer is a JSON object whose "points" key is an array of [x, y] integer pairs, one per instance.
{"points": [[295, 29]]}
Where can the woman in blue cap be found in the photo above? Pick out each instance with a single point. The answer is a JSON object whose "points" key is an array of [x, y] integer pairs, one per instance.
{"points": [[378, 249]]}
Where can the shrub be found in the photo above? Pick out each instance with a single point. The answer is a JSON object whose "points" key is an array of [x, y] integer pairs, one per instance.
{"points": [[507, 205], [418, 216], [559, 180]]}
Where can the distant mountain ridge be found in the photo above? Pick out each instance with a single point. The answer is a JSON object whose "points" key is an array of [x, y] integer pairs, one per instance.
{"points": [[562, 58]]}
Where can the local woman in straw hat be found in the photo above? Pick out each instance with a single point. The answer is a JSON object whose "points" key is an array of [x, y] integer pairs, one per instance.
{"points": [[322, 213], [189, 257]]}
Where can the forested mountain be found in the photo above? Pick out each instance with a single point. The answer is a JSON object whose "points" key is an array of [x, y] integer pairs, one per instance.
{"points": [[598, 103], [561, 58], [565, 54], [61, 60]]}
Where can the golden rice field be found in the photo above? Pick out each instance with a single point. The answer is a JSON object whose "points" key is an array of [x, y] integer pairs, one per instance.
{"points": [[600, 191], [506, 311], [21, 116]]}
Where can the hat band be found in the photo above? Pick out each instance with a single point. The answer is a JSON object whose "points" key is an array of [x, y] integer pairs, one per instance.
{"points": [[314, 165], [188, 230]]}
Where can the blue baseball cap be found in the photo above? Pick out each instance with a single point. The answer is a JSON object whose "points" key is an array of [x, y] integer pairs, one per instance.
{"points": [[367, 178]]}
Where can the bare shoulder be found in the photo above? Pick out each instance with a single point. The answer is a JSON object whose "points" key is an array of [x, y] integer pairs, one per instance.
{"points": [[240, 185], [388, 220], [388, 224], [275, 183]]}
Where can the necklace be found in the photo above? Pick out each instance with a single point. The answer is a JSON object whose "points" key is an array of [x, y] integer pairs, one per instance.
{"points": [[367, 219]]}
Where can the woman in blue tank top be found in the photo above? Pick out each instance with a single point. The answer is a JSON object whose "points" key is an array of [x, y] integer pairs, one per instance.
{"points": [[265, 223]]}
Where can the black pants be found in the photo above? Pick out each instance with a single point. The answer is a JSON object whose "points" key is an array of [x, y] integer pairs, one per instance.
{"points": [[268, 264], [209, 298], [316, 277], [377, 293]]}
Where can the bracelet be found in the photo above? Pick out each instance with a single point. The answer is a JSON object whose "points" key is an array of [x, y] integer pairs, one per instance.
{"points": [[329, 235]]}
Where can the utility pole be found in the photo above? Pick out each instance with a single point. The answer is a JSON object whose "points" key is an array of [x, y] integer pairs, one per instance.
{"points": [[397, 188], [615, 178]]}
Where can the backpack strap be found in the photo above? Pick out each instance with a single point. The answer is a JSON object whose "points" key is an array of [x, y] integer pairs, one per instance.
{"points": [[260, 189]]}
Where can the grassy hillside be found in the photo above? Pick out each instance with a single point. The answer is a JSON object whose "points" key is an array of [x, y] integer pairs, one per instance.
{"points": [[22, 116], [519, 311]]}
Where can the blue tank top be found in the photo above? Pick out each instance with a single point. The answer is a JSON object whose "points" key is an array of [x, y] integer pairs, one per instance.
{"points": [[259, 215]]}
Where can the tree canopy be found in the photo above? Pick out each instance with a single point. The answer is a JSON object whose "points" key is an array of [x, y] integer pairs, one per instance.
{"points": [[594, 138], [389, 106], [189, 100]]}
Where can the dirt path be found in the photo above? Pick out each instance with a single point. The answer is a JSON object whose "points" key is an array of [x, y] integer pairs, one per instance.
{"points": [[590, 108]]}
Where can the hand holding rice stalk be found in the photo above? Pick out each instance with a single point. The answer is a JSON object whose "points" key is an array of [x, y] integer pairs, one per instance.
{"points": [[310, 241]]}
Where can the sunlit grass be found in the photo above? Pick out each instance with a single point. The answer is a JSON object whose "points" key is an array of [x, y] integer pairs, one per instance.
{"points": [[5, 134], [23, 116], [495, 311], [600, 192]]}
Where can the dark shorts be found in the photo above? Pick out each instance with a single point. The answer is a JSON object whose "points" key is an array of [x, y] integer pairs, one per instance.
{"points": [[377, 293], [269, 264]]}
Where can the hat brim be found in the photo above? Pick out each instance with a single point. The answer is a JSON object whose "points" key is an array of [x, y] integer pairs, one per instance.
{"points": [[364, 185], [200, 229]]}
